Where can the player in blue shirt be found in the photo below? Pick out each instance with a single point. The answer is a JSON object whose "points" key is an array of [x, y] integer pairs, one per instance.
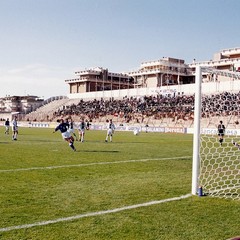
{"points": [[63, 128]]}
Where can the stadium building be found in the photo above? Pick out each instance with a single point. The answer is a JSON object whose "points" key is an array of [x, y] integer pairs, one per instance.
{"points": [[152, 74], [98, 79], [226, 60], [166, 76], [164, 72]]}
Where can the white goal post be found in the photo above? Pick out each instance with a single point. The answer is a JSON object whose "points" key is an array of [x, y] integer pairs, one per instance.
{"points": [[196, 133], [216, 163]]}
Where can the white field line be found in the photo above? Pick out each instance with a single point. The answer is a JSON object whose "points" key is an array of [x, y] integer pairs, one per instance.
{"points": [[90, 164], [67, 219]]}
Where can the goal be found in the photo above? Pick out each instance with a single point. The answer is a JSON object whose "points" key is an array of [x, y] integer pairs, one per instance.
{"points": [[216, 163]]}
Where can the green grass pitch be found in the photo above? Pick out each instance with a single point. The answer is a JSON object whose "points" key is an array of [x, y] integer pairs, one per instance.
{"points": [[50, 192]]}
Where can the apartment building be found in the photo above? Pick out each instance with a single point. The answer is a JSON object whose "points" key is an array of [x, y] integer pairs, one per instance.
{"points": [[21, 104]]}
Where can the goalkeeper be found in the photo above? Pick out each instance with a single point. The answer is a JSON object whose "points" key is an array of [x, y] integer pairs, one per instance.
{"points": [[221, 132]]}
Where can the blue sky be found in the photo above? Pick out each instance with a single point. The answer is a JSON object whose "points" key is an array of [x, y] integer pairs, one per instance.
{"points": [[43, 42]]}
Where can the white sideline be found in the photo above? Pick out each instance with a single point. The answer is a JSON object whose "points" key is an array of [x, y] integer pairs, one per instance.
{"points": [[89, 164], [66, 219]]}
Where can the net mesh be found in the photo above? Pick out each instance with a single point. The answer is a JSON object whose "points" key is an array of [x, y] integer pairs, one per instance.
{"points": [[220, 159]]}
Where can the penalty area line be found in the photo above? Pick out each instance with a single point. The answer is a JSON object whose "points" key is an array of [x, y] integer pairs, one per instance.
{"points": [[91, 164], [68, 219]]}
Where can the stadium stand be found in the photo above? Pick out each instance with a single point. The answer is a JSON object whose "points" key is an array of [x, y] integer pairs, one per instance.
{"points": [[45, 112], [159, 110]]}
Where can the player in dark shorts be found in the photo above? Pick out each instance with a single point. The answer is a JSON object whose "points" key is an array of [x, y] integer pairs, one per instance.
{"points": [[7, 126], [66, 135], [221, 132]]}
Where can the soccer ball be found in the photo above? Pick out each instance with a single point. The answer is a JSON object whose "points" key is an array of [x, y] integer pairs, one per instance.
{"points": [[136, 132]]}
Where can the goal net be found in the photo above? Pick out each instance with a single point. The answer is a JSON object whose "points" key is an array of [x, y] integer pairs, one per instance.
{"points": [[216, 150]]}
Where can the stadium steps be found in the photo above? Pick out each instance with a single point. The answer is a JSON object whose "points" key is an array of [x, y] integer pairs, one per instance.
{"points": [[46, 112]]}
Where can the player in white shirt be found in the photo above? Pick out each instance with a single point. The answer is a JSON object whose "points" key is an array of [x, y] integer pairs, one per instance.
{"points": [[14, 128], [110, 130], [71, 128], [81, 130]]}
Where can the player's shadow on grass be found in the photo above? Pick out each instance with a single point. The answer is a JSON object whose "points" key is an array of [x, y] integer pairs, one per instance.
{"points": [[130, 142], [97, 151]]}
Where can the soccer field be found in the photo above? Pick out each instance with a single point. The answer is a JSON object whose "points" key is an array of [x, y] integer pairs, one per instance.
{"points": [[137, 187]]}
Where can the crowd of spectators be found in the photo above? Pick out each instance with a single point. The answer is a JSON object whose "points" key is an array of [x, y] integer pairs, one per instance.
{"points": [[136, 109], [133, 108], [222, 104]]}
